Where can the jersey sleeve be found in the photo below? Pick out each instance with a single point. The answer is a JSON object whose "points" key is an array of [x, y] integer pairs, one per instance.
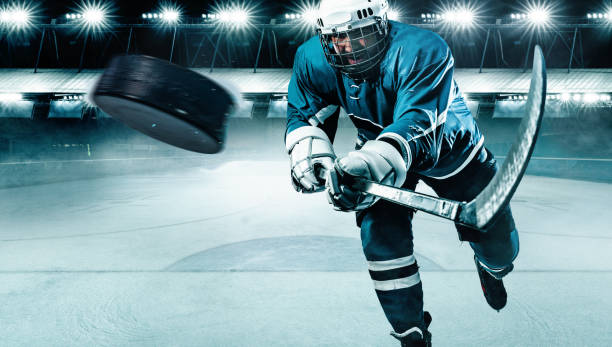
{"points": [[424, 95], [304, 100]]}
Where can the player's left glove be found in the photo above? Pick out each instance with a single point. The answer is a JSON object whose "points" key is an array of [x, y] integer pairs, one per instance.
{"points": [[377, 161], [310, 151]]}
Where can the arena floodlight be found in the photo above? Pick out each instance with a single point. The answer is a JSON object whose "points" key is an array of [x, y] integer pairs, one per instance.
{"points": [[21, 17], [590, 98], [11, 97], [462, 17], [240, 16], [92, 16], [310, 15], [305, 13], [566, 97], [16, 16], [539, 16], [393, 14], [170, 15], [236, 17], [538, 13]]}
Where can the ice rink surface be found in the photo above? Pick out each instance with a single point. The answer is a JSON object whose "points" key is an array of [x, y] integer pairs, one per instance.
{"points": [[232, 256]]}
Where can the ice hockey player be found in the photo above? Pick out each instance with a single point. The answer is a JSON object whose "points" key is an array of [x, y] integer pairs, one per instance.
{"points": [[396, 83]]}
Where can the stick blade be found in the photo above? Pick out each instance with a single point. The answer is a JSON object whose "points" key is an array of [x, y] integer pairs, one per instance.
{"points": [[479, 212]]}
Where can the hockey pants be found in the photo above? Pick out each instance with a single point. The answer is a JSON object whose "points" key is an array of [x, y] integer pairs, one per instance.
{"points": [[386, 234]]}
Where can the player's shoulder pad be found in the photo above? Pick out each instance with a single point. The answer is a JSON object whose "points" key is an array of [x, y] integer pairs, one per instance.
{"points": [[312, 68], [310, 54], [415, 48]]}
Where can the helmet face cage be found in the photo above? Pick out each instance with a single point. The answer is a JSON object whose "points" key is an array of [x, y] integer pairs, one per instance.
{"points": [[368, 45]]}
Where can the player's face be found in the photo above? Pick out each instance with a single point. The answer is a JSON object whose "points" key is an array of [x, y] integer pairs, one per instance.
{"points": [[344, 45]]}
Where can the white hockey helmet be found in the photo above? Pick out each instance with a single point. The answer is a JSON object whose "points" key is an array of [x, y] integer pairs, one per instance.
{"points": [[353, 34]]}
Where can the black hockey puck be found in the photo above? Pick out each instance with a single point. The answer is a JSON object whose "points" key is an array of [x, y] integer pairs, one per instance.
{"points": [[165, 101]]}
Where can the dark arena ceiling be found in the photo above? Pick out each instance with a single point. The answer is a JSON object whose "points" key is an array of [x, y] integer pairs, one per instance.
{"points": [[238, 34]]}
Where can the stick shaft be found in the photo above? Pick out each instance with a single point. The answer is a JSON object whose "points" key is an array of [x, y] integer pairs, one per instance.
{"points": [[440, 207]]}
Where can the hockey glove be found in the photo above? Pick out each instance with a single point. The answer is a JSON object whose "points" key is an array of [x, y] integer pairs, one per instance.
{"points": [[377, 161], [310, 150]]}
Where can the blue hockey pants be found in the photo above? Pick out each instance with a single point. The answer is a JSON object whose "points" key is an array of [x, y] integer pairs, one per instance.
{"points": [[386, 234]]}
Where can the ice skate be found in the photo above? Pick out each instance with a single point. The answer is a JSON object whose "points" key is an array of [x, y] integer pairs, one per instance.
{"points": [[492, 284], [415, 337]]}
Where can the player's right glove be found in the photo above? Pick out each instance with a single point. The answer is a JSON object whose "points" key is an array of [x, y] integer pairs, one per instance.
{"points": [[376, 161], [310, 150]]}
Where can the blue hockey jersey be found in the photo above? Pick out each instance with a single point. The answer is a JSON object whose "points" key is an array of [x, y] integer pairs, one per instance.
{"points": [[414, 101]]}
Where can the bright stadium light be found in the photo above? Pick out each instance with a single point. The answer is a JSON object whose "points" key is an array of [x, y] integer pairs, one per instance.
{"points": [[236, 16], [167, 14], [393, 14], [92, 16], [21, 17], [11, 97], [539, 16], [461, 17], [305, 15], [16, 16], [590, 98], [310, 15], [170, 15]]}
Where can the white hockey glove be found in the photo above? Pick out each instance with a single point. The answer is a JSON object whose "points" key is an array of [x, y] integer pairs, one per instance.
{"points": [[310, 151], [376, 161]]}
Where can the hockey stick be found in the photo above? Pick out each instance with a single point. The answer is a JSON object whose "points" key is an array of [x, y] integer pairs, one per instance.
{"points": [[480, 211]]}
